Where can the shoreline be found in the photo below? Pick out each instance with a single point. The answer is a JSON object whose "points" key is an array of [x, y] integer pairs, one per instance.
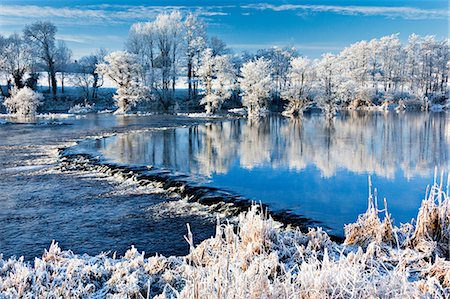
{"points": [[254, 257]]}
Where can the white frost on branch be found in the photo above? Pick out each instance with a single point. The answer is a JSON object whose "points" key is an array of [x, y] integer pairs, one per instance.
{"points": [[256, 85], [125, 71], [23, 102], [300, 77], [218, 77]]}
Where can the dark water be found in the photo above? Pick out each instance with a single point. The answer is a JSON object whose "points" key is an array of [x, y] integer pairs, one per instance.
{"points": [[311, 167], [84, 211]]}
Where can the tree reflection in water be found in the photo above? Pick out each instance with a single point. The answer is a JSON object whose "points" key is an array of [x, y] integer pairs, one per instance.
{"points": [[372, 143], [294, 163]]}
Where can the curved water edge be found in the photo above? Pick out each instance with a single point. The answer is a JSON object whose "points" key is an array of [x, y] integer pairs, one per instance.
{"points": [[86, 212], [219, 201], [325, 163]]}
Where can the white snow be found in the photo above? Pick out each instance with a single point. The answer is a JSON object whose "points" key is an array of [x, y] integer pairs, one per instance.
{"points": [[81, 108]]}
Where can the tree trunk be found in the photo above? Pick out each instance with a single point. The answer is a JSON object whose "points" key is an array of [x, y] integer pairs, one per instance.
{"points": [[8, 87], [18, 82], [49, 82], [189, 74], [62, 82], [4, 94], [54, 84]]}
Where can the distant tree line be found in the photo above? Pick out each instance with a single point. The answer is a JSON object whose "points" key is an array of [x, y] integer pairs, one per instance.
{"points": [[174, 50], [24, 57]]}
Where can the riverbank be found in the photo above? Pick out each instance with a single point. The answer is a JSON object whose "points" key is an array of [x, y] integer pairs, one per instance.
{"points": [[256, 259]]}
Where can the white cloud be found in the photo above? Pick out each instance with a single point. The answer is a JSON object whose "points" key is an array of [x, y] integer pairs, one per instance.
{"points": [[387, 11], [300, 47], [47, 12], [212, 13], [96, 14], [88, 39]]}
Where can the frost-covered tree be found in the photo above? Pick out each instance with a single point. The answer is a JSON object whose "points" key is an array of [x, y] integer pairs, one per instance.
{"points": [[434, 66], [218, 77], [41, 35], [63, 59], [298, 85], [23, 102], [124, 70], [356, 60], [280, 59], [86, 76], [141, 42], [256, 85], [15, 59], [390, 59], [218, 46], [168, 28], [412, 61], [327, 83], [195, 41]]}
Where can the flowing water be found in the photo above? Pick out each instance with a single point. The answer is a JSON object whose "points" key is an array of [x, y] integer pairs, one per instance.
{"points": [[82, 210]]}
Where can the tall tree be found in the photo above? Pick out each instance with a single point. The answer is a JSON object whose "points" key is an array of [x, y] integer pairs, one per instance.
{"points": [[297, 89], [63, 59], [280, 59], [195, 39], [42, 36], [328, 82], [86, 75], [141, 42], [124, 70], [167, 29], [16, 59], [218, 46], [256, 84], [218, 77]]}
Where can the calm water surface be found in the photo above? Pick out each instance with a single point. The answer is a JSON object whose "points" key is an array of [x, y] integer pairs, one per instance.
{"points": [[311, 167]]}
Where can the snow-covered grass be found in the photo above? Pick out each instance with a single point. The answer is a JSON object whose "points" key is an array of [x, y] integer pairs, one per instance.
{"points": [[55, 115], [82, 108], [256, 258], [241, 111], [105, 111], [42, 115], [200, 115]]}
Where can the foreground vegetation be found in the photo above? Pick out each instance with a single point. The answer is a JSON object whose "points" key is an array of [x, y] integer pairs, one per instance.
{"points": [[254, 257]]}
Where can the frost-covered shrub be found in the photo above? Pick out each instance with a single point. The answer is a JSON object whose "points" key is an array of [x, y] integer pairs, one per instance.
{"points": [[82, 108], [23, 102]]}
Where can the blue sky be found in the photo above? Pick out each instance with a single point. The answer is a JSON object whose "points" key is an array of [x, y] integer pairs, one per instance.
{"points": [[313, 27]]}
